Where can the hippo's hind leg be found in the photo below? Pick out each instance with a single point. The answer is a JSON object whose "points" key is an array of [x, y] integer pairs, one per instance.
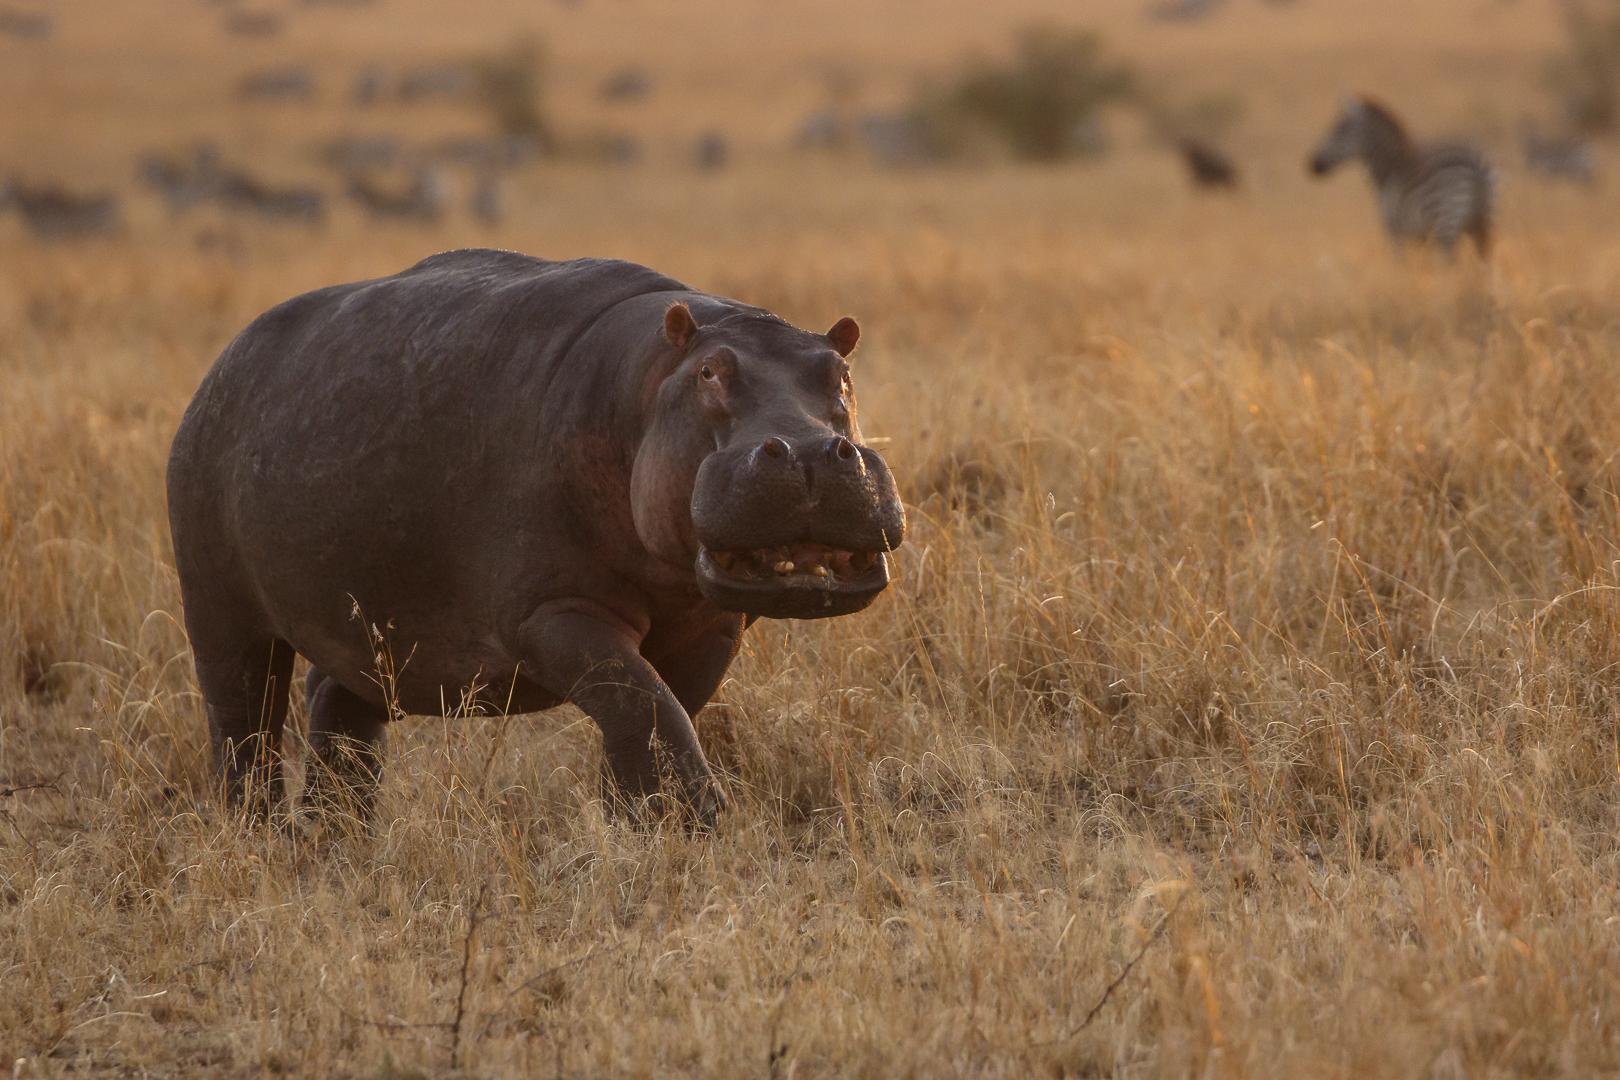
{"points": [[345, 748], [245, 691]]}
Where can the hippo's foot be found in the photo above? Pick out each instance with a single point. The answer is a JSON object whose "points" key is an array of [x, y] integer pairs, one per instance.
{"points": [[338, 796], [245, 686], [345, 759], [698, 812], [259, 797]]}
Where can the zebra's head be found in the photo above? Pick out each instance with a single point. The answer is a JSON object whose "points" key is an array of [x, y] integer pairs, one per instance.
{"points": [[1345, 140]]}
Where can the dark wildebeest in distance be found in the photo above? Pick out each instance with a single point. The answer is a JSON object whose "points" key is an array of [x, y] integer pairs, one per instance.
{"points": [[1207, 167]]}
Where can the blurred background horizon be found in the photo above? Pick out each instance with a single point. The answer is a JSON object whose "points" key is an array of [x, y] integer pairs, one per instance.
{"points": [[569, 128]]}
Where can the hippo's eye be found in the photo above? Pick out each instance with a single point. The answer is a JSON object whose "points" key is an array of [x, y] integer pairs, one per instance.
{"points": [[707, 372]]}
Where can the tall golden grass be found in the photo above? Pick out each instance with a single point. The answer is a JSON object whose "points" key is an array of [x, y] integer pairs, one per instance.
{"points": [[1245, 702]]}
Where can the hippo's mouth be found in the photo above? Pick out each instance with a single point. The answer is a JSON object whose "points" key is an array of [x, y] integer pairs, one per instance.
{"points": [[794, 581]]}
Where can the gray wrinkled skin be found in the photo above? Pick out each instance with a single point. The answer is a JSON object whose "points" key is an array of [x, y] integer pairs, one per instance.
{"points": [[534, 480]]}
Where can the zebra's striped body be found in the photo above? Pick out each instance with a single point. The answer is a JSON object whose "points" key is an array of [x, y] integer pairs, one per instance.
{"points": [[1434, 193]]}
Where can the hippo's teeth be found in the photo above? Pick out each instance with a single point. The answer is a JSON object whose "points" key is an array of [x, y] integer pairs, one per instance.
{"points": [[722, 559], [819, 571], [862, 560], [784, 567]]}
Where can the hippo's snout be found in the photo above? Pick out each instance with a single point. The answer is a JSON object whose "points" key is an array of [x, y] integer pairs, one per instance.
{"points": [[837, 460], [774, 463], [796, 527], [825, 489], [770, 475]]}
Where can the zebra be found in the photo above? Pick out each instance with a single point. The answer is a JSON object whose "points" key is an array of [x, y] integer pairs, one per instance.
{"points": [[1429, 192]]}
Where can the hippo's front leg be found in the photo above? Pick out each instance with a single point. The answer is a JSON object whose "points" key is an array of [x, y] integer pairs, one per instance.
{"points": [[580, 651]]}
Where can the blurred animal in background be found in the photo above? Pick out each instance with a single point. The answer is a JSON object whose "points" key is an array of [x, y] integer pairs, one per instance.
{"points": [[54, 213], [712, 152], [277, 84], [367, 87], [201, 179], [1567, 157], [421, 198], [186, 182], [245, 193], [25, 25], [487, 204], [630, 84], [448, 81], [1207, 166], [620, 149], [354, 154], [823, 130], [256, 24], [394, 180], [891, 139], [505, 152], [1433, 193], [1183, 10]]}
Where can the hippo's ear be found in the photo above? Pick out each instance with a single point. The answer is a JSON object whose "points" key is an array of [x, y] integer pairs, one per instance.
{"points": [[680, 328], [844, 335]]}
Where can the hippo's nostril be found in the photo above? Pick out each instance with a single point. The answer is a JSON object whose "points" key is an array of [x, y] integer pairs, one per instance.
{"points": [[845, 449], [775, 448]]}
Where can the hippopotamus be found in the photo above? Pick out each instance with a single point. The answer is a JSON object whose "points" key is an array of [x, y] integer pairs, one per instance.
{"points": [[495, 482]]}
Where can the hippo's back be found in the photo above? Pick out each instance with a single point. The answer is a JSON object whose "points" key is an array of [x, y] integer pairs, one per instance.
{"points": [[460, 331], [370, 442], [460, 316]]}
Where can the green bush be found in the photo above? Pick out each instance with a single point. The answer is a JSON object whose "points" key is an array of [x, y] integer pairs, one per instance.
{"points": [[1043, 105], [509, 89]]}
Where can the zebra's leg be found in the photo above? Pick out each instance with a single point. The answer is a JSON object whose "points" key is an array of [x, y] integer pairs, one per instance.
{"points": [[1446, 240], [1480, 233]]}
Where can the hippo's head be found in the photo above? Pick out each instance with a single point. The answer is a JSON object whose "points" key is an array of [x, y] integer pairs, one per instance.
{"points": [[751, 469]]}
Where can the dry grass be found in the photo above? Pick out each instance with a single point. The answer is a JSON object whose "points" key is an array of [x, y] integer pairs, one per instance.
{"points": [[1259, 622]]}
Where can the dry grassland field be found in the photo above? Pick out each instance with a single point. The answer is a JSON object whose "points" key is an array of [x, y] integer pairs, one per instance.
{"points": [[1244, 703]]}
